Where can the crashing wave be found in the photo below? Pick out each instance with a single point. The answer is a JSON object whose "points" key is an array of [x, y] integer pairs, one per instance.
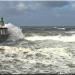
{"points": [[58, 38], [15, 32]]}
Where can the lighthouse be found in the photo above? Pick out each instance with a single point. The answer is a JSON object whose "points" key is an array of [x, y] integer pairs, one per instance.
{"points": [[3, 31], [2, 22]]}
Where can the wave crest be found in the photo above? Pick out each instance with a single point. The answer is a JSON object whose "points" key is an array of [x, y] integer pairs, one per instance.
{"points": [[15, 32]]}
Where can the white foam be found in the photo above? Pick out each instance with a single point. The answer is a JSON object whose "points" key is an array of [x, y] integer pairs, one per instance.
{"points": [[15, 32], [59, 38], [29, 61], [70, 32]]}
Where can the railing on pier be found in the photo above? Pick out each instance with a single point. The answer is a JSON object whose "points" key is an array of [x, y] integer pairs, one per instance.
{"points": [[3, 31]]}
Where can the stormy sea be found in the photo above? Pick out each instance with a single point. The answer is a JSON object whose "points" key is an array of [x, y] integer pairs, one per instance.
{"points": [[38, 50]]}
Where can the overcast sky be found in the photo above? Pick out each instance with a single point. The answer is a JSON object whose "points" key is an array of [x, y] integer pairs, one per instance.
{"points": [[38, 13]]}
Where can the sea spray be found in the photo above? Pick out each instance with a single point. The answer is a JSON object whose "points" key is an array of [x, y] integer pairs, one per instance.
{"points": [[15, 32], [47, 56]]}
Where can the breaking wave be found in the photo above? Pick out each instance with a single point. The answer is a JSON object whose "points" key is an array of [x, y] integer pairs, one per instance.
{"points": [[41, 54], [58, 38], [15, 32]]}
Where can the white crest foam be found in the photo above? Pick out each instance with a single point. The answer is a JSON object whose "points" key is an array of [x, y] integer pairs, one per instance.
{"points": [[14, 31], [59, 38]]}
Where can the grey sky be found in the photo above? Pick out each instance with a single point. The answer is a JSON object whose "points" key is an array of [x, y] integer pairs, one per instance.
{"points": [[38, 13]]}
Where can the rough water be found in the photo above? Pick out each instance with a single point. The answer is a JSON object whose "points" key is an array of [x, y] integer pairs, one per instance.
{"points": [[33, 50]]}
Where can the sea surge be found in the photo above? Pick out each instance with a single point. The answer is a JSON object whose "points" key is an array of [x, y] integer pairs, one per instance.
{"points": [[34, 54]]}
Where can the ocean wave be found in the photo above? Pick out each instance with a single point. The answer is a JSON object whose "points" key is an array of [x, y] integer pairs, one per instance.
{"points": [[19, 60], [15, 32], [72, 32], [58, 38], [34, 54]]}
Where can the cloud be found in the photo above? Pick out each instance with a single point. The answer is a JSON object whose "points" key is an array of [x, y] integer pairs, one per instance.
{"points": [[24, 5], [20, 7], [72, 4], [28, 5], [35, 5], [54, 4]]}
